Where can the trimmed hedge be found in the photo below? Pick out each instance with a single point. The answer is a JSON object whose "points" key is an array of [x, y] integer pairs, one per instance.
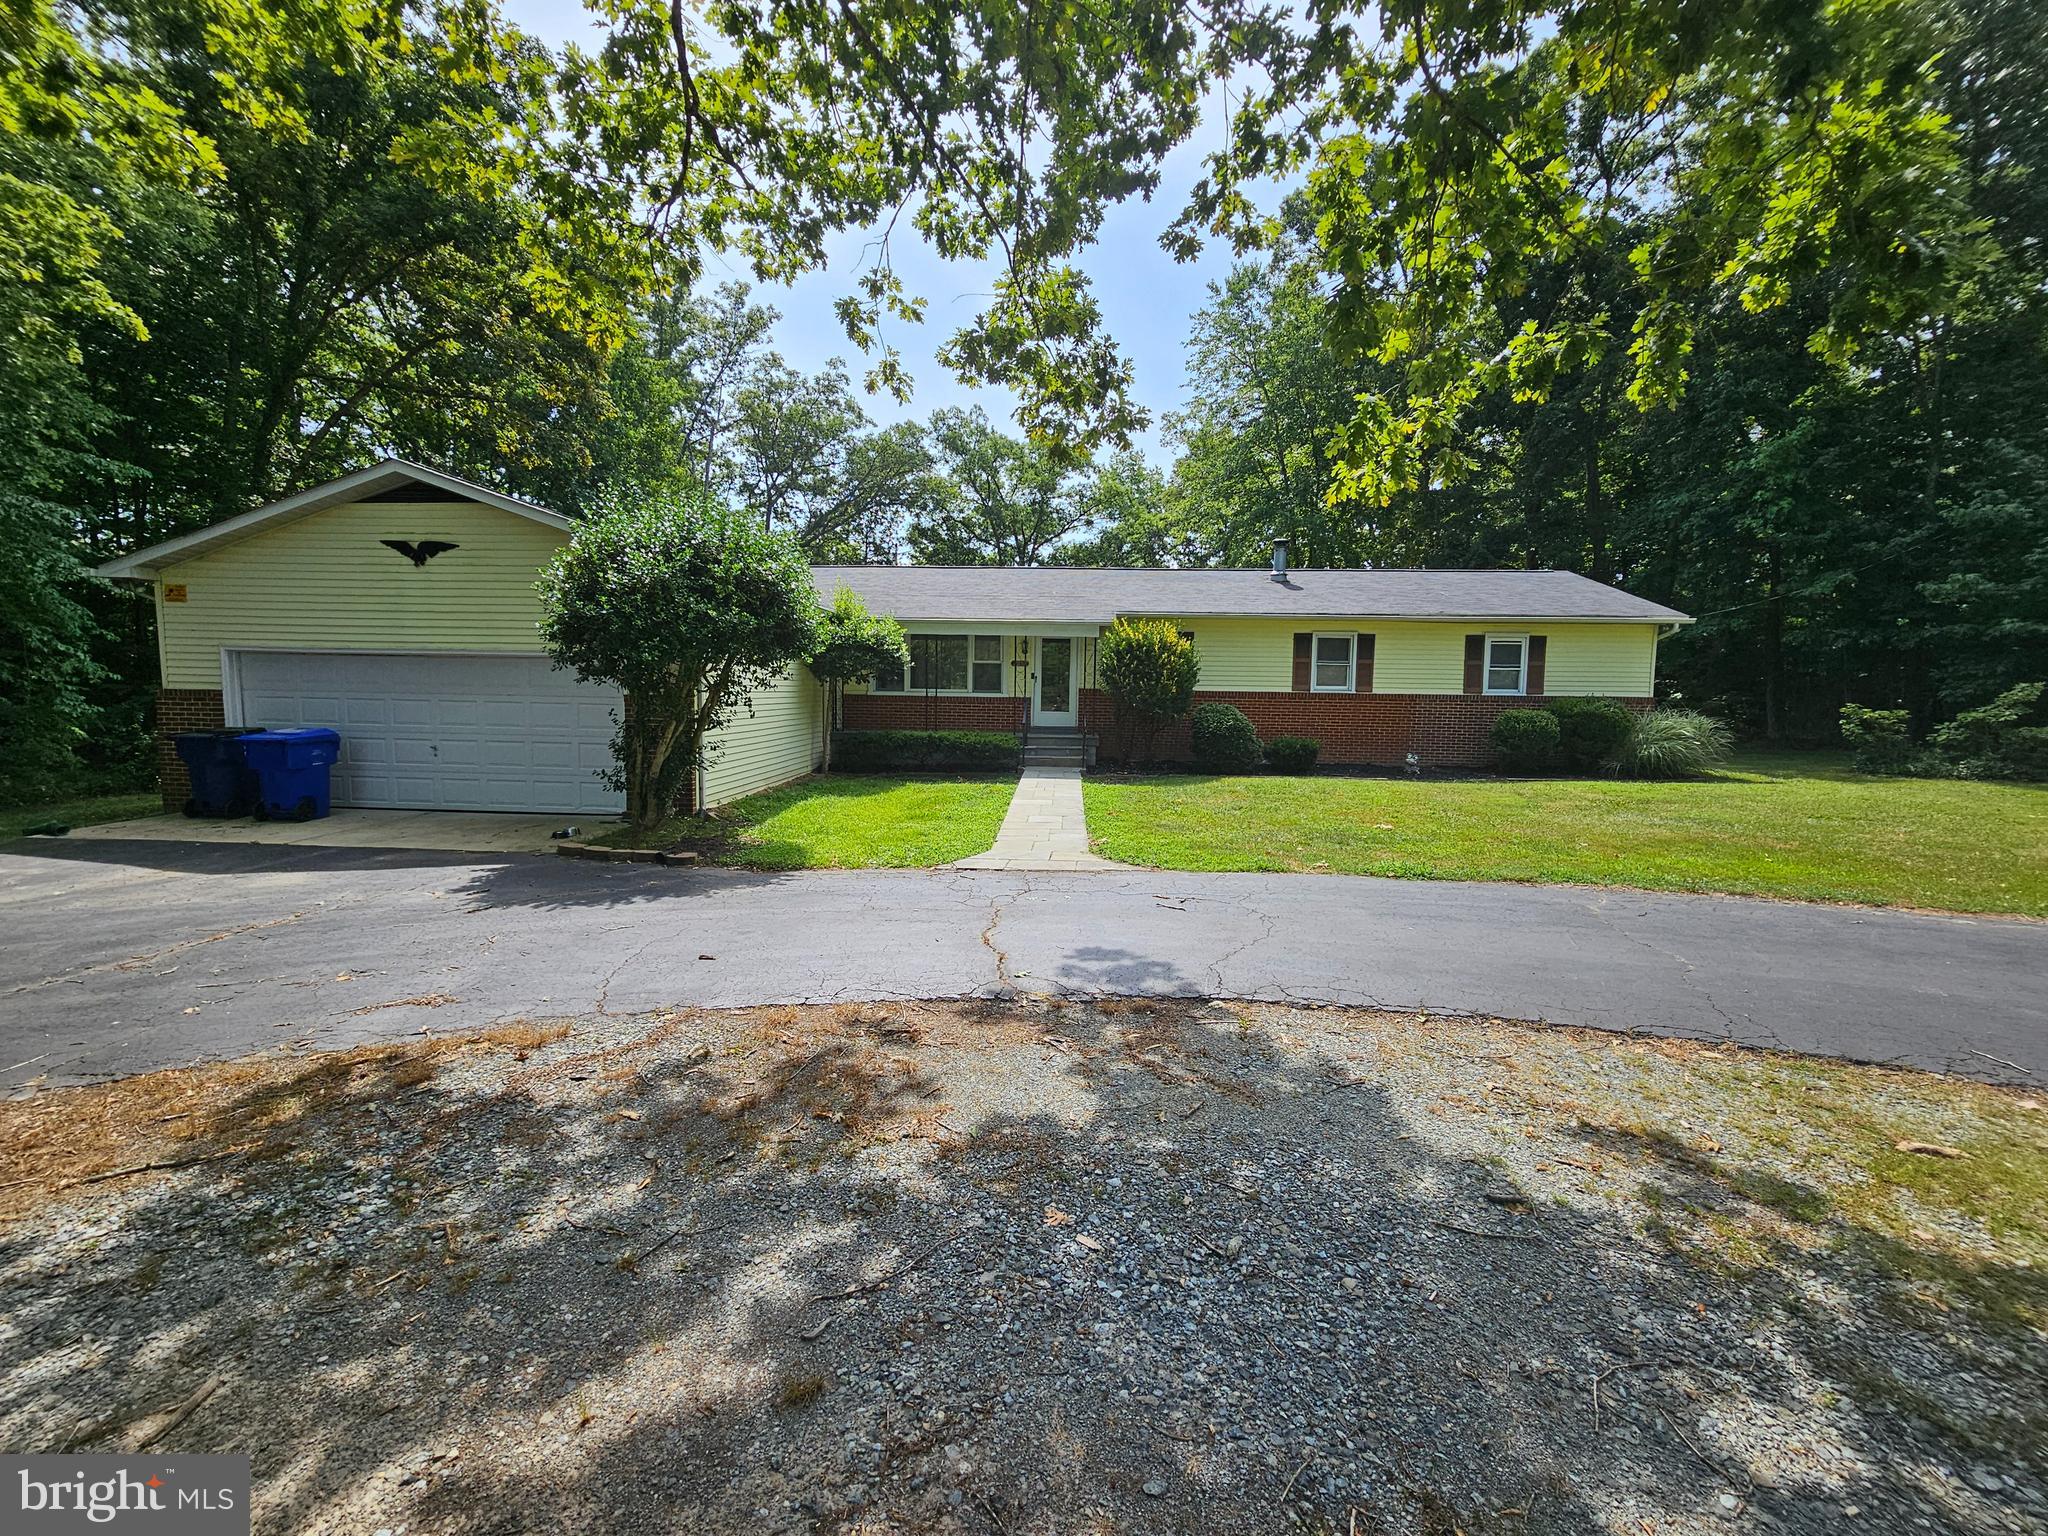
{"points": [[1293, 754], [1591, 732], [1224, 739], [1526, 739], [922, 751]]}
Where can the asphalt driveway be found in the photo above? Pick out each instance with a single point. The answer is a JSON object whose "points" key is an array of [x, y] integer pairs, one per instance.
{"points": [[118, 957]]}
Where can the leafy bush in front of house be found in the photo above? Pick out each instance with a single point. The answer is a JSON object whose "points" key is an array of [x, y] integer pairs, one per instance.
{"points": [[1148, 668], [1590, 732], [1672, 744], [1880, 739], [1993, 742], [1224, 739], [688, 607], [857, 644], [922, 751], [1526, 739], [1293, 754]]}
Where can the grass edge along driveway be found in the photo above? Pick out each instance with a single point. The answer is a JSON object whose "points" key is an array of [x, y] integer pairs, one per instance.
{"points": [[1795, 825], [86, 811], [849, 821]]}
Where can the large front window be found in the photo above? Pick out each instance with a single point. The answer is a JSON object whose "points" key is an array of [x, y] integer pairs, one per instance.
{"points": [[948, 664], [1507, 663]]}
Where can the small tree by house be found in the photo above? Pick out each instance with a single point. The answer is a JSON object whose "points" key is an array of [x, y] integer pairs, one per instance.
{"points": [[857, 644], [1149, 669], [688, 607]]}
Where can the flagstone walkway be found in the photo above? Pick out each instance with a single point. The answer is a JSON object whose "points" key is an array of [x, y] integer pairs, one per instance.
{"points": [[1046, 827]]}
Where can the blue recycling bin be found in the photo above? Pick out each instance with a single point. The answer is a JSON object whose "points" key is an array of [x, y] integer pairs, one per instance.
{"points": [[222, 784], [291, 770]]}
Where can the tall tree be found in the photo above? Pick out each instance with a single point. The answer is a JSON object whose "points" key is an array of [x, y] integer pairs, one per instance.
{"points": [[1009, 501], [1454, 156], [805, 457], [1135, 518], [1267, 399]]}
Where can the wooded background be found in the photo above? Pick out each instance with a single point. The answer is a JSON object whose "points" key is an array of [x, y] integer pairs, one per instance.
{"points": [[1737, 306]]}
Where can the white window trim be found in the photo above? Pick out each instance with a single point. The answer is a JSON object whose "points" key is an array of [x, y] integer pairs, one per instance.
{"points": [[969, 692], [1350, 671], [1521, 688]]}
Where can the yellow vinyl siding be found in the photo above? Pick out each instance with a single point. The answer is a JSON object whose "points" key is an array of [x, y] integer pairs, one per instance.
{"points": [[1617, 660], [1244, 655], [778, 742], [324, 582], [1412, 656]]}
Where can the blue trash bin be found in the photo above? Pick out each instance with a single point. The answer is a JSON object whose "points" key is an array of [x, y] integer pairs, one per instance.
{"points": [[291, 770], [222, 784]]}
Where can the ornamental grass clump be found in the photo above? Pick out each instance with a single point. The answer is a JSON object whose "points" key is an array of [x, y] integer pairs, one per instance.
{"points": [[1672, 744]]}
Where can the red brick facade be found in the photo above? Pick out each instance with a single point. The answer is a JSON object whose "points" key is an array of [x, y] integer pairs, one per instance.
{"points": [[932, 712], [182, 709], [1444, 730]]}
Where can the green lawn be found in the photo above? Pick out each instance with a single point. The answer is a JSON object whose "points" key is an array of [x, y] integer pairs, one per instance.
{"points": [[852, 821], [79, 813], [1777, 824]]}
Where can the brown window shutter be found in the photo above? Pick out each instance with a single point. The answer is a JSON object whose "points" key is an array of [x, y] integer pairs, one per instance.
{"points": [[1304, 648], [1475, 663], [1361, 677], [1538, 644]]}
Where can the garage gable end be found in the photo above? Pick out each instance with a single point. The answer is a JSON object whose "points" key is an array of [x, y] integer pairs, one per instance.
{"points": [[390, 574]]}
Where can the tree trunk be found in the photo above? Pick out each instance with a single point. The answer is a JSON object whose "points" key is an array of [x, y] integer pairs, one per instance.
{"points": [[1774, 650], [656, 731], [831, 710], [1602, 559]]}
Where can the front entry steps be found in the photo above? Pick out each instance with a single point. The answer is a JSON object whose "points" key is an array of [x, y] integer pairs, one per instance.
{"points": [[1051, 746]]}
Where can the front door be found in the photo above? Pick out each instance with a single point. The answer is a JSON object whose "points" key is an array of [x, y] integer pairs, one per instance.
{"points": [[1053, 684]]}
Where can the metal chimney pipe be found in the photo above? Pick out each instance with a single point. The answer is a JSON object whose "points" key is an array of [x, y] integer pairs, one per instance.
{"points": [[1280, 559]]}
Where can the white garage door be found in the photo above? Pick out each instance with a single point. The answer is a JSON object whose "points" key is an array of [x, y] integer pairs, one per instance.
{"points": [[442, 733]]}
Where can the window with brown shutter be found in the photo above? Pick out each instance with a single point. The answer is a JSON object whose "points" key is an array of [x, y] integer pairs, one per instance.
{"points": [[1475, 663], [1538, 645], [1362, 682], [1304, 650]]}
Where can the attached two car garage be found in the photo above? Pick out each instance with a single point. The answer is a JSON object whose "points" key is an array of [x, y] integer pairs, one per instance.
{"points": [[326, 609], [441, 733]]}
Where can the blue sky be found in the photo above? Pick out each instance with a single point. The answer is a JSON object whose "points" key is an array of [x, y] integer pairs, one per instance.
{"points": [[1146, 297]]}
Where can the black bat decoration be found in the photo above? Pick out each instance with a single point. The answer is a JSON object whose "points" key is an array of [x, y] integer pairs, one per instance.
{"points": [[420, 553]]}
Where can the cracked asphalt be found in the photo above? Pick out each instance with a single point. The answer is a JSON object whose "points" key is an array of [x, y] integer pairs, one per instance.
{"points": [[118, 958]]}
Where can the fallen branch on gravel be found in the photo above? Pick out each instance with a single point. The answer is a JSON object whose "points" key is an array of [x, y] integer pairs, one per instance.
{"points": [[890, 1278], [178, 1415], [160, 1167], [1742, 1483], [1297, 1473], [1499, 1237], [1601, 1376]]}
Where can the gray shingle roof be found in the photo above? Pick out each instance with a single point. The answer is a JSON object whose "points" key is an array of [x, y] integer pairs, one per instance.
{"points": [[1056, 595]]}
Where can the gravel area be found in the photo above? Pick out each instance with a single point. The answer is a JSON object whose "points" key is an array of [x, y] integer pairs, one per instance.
{"points": [[1043, 1268]]}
